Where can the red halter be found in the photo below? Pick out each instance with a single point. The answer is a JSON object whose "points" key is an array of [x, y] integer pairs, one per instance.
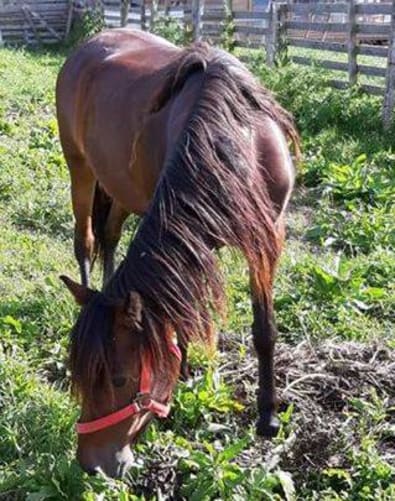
{"points": [[143, 401]]}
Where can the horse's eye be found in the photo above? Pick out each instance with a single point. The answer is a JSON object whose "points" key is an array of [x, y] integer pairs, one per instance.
{"points": [[119, 381]]}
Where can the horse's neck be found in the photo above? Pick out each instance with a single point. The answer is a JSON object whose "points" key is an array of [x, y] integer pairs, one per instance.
{"points": [[163, 130]]}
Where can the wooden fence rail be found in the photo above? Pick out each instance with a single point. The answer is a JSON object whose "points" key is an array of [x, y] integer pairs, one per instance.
{"points": [[349, 28]]}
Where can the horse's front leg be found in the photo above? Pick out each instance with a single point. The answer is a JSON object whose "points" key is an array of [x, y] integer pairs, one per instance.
{"points": [[112, 235], [264, 335], [185, 370], [82, 194]]}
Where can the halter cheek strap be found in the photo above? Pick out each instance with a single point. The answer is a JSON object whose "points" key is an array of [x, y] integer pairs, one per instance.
{"points": [[143, 401]]}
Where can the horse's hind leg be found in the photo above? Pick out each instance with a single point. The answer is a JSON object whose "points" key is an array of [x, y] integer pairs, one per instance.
{"points": [[264, 335], [112, 234], [82, 193]]}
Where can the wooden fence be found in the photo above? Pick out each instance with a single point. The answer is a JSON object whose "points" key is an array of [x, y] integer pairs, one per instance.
{"points": [[355, 36], [34, 21], [142, 15], [350, 28]]}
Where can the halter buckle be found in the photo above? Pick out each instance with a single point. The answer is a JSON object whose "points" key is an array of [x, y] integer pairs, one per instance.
{"points": [[142, 401]]}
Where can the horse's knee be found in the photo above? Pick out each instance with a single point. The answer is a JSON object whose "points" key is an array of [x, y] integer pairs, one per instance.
{"points": [[84, 241], [84, 248]]}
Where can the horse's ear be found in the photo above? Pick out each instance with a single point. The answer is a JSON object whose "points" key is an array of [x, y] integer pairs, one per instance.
{"points": [[81, 294], [134, 310]]}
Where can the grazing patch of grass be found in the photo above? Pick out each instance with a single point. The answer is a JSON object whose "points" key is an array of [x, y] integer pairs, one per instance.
{"points": [[335, 285]]}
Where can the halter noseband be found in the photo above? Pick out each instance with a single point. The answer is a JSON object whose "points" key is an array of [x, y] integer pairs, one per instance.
{"points": [[142, 402]]}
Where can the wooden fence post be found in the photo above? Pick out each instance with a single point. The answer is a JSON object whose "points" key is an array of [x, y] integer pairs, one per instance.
{"points": [[281, 41], [153, 12], [142, 16], [352, 43], [271, 37], [124, 12], [196, 21], [389, 96], [229, 10], [228, 30], [69, 21], [166, 7]]}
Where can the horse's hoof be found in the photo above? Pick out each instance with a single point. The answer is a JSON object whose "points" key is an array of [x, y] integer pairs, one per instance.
{"points": [[185, 372], [268, 426]]}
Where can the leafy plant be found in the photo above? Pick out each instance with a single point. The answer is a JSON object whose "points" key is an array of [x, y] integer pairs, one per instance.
{"points": [[172, 29], [86, 25]]}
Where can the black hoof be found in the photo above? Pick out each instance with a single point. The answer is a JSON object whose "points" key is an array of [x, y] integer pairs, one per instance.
{"points": [[268, 426]]}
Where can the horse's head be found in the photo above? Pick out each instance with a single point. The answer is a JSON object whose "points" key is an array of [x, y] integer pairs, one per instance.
{"points": [[124, 367]]}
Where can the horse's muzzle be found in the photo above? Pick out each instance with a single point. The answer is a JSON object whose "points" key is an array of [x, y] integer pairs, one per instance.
{"points": [[104, 461]]}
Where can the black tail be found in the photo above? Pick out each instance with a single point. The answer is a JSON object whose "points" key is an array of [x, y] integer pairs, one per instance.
{"points": [[101, 209]]}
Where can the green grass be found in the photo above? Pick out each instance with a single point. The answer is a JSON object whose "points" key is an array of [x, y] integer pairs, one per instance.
{"points": [[336, 281]]}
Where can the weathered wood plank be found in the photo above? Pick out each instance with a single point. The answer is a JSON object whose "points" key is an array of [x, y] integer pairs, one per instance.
{"points": [[16, 11], [208, 29], [196, 19], [374, 28], [21, 26], [366, 69], [69, 20], [111, 16], [352, 43], [372, 50], [330, 65], [375, 9], [370, 89], [249, 44], [214, 11], [213, 17], [317, 8], [271, 39], [313, 26], [40, 19], [317, 44], [373, 89], [389, 95], [251, 30], [258, 16], [133, 20]]}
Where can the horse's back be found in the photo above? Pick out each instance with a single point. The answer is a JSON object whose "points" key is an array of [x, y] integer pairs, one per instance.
{"points": [[116, 64], [103, 93]]}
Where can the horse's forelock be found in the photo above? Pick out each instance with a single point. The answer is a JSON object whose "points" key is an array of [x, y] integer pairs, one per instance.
{"points": [[90, 348]]}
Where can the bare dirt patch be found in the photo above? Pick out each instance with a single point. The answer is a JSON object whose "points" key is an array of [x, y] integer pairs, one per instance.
{"points": [[325, 384]]}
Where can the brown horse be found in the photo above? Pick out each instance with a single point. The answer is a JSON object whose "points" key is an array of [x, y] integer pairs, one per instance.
{"points": [[189, 140]]}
